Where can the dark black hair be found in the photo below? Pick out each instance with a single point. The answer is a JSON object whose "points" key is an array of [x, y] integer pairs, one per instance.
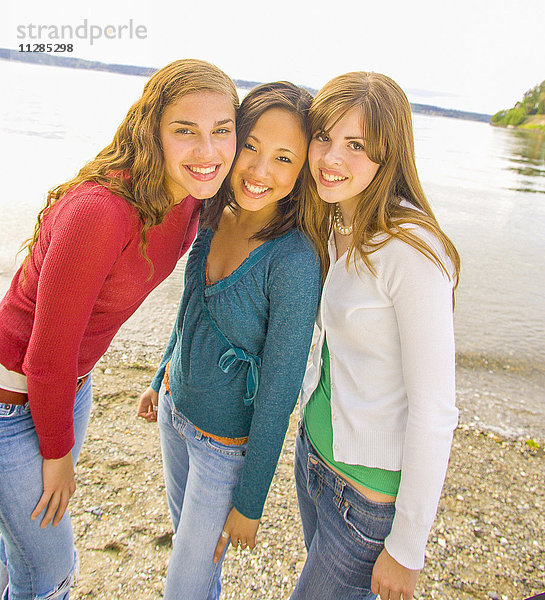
{"points": [[283, 95]]}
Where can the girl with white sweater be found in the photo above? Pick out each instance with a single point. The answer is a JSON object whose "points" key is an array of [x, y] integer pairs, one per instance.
{"points": [[378, 400]]}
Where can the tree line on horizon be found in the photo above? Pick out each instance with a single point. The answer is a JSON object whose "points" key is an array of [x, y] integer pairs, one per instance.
{"points": [[533, 103]]}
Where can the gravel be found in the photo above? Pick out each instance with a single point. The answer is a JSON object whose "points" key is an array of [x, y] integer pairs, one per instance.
{"points": [[487, 541]]}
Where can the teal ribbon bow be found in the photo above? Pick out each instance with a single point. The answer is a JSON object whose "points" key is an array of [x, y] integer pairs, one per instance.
{"points": [[229, 357]]}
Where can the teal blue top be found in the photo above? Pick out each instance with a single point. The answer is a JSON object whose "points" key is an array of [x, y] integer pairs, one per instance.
{"points": [[317, 415], [239, 349]]}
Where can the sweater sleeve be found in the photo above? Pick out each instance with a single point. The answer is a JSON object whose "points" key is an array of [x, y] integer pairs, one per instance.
{"points": [[167, 355], [422, 298], [294, 292], [86, 238]]}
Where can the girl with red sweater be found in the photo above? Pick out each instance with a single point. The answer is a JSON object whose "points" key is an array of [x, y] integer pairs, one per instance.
{"points": [[102, 243]]}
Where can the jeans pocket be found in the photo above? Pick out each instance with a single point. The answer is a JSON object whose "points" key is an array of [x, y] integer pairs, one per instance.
{"points": [[228, 450], [179, 422], [12, 411], [315, 479], [366, 529]]}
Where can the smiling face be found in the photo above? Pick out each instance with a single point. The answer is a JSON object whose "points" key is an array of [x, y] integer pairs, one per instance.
{"points": [[198, 138], [338, 162], [270, 161]]}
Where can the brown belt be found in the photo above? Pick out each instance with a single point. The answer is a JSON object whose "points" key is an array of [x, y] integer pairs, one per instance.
{"points": [[20, 398]]}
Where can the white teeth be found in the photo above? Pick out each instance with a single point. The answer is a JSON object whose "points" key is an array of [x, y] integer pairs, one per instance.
{"points": [[255, 189], [332, 178], [202, 170]]}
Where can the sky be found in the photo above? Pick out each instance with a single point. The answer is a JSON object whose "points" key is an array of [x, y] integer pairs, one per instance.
{"points": [[475, 55]]}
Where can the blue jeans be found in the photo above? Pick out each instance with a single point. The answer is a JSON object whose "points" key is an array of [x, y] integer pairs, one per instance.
{"points": [[200, 476], [344, 531], [41, 563]]}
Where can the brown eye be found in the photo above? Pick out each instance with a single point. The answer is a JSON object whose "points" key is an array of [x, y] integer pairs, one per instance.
{"points": [[322, 136], [356, 146]]}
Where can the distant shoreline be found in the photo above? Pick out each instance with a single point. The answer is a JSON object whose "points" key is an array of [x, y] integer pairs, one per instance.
{"points": [[42, 58], [532, 123]]}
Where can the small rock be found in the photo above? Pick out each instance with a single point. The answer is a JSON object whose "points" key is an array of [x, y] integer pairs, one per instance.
{"points": [[95, 510]]}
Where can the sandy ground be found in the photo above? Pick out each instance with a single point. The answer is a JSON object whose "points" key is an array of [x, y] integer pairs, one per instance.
{"points": [[487, 541]]}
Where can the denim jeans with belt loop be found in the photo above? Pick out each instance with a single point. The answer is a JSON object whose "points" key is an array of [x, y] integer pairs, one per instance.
{"points": [[200, 476], [344, 531], [41, 563]]}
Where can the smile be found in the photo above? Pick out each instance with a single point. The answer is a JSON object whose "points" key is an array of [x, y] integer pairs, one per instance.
{"points": [[330, 177], [204, 172], [255, 189]]}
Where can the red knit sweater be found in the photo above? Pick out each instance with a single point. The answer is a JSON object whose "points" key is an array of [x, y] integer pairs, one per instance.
{"points": [[86, 276]]}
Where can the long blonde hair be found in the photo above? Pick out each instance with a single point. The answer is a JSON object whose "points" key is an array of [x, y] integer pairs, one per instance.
{"points": [[388, 135], [132, 166]]}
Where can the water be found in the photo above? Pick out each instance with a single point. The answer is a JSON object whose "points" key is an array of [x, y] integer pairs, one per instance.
{"points": [[486, 185]]}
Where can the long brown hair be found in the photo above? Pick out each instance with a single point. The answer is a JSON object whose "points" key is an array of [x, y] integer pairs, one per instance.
{"points": [[388, 134], [286, 96], [132, 166]]}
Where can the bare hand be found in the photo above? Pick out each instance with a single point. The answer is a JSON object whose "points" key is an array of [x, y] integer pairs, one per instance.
{"points": [[240, 529], [59, 486], [391, 580], [147, 405]]}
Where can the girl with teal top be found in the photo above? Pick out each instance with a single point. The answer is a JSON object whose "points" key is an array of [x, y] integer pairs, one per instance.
{"points": [[378, 399], [233, 367]]}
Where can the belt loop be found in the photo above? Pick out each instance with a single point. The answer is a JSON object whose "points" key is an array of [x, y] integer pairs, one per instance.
{"points": [[339, 491], [198, 434]]}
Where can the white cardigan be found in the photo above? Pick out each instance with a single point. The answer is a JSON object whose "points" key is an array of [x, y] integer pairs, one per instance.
{"points": [[391, 345]]}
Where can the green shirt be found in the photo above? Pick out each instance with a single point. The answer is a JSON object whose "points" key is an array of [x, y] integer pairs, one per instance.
{"points": [[317, 416]]}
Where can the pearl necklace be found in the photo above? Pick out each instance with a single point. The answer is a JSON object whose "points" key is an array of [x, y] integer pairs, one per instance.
{"points": [[338, 221]]}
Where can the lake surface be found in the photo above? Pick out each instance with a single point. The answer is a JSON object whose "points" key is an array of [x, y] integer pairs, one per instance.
{"points": [[486, 185]]}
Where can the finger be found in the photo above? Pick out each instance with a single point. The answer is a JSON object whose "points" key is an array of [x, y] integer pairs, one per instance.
{"points": [[51, 510], [63, 504], [220, 547], [144, 410], [375, 588], [252, 542], [384, 593], [150, 415], [42, 504]]}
